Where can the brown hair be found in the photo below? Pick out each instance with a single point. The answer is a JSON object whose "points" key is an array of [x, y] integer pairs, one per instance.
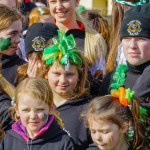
{"points": [[118, 11], [109, 108], [82, 83], [8, 16]]}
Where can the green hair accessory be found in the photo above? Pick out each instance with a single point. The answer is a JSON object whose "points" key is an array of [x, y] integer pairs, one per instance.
{"points": [[41, 11], [143, 111], [4, 43], [64, 50], [129, 94], [140, 2], [119, 77]]}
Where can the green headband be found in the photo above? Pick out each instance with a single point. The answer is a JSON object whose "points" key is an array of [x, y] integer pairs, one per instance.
{"points": [[141, 2], [4, 43], [64, 50]]}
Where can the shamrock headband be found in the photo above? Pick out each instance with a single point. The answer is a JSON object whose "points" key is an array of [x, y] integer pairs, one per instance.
{"points": [[64, 50], [141, 2]]}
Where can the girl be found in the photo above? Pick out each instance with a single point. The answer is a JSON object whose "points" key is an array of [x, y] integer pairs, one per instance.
{"points": [[114, 126], [88, 40], [40, 14], [35, 41], [66, 70], [10, 29], [35, 126]]}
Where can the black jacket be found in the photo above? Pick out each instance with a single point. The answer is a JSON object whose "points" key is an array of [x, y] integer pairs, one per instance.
{"points": [[5, 104], [9, 67], [70, 113], [53, 139], [132, 75]]}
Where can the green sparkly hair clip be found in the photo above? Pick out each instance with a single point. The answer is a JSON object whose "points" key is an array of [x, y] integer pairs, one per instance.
{"points": [[63, 50], [140, 2]]}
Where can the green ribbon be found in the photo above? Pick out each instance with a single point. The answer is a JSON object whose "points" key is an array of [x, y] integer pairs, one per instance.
{"points": [[119, 77], [64, 50], [4, 43], [129, 94], [140, 2]]}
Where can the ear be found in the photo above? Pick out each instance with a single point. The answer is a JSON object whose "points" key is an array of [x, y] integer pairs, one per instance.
{"points": [[16, 109], [77, 3], [46, 76], [124, 127]]}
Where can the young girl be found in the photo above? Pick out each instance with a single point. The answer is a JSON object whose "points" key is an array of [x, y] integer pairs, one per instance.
{"points": [[10, 29], [114, 125], [66, 70], [90, 42], [35, 126]]}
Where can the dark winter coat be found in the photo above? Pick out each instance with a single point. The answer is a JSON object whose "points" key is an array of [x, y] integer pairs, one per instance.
{"points": [[54, 138], [70, 113]]}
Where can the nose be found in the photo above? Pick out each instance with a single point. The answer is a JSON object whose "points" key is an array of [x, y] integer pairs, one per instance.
{"points": [[133, 43], [62, 79], [17, 39], [98, 137], [33, 114], [58, 5]]}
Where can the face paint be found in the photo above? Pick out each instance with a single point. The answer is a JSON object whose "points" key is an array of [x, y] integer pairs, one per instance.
{"points": [[110, 140], [45, 117], [4, 43]]}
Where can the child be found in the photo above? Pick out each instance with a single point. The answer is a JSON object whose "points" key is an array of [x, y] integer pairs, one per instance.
{"points": [[114, 125], [135, 36], [10, 29], [66, 70], [35, 126], [35, 41]]}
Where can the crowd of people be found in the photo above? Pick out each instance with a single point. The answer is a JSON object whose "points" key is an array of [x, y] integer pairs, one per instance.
{"points": [[72, 80]]}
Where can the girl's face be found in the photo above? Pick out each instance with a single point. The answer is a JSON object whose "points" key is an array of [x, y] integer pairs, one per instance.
{"points": [[13, 32], [105, 134], [63, 82], [33, 113], [63, 10], [136, 50]]}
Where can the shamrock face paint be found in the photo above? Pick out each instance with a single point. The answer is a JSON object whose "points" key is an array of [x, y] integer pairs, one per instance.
{"points": [[45, 117], [4, 43]]}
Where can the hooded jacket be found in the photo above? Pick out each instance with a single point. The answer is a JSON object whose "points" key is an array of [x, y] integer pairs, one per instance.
{"points": [[9, 67], [70, 113], [54, 138], [5, 104]]}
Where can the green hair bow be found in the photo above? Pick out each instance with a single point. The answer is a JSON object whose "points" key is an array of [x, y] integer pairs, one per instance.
{"points": [[64, 50], [140, 2]]}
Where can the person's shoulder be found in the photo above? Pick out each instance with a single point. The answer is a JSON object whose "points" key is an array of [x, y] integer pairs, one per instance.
{"points": [[92, 147]]}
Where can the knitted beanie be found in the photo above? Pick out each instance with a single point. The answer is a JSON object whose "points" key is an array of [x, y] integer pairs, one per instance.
{"points": [[37, 36], [136, 22]]}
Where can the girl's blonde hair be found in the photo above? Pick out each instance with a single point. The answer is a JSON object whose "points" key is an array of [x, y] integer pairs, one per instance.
{"points": [[109, 108], [94, 45], [8, 16], [37, 13], [37, 88]]}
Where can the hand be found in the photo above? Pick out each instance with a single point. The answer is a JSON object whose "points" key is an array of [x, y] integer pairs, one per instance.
{"points": [[32, 68]]}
